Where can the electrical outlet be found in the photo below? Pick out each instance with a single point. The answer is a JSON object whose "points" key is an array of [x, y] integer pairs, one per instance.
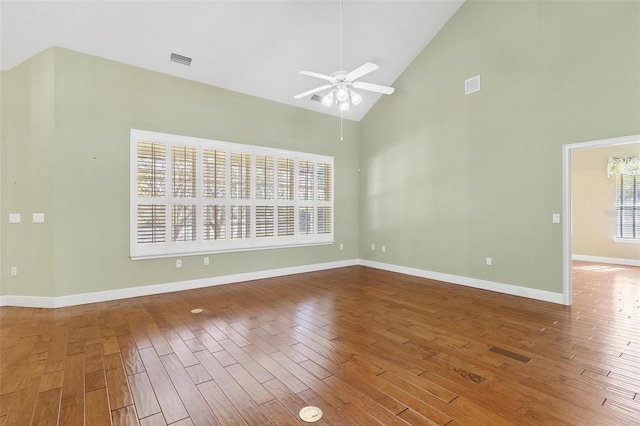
{"points": [[206, 261], [489, 261], [178, 263], [341, 246], [14, 271], [373, 247], [384, 249]]}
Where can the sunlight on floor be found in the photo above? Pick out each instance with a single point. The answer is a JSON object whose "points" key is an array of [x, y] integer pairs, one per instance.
{"points": [[601, 268]]}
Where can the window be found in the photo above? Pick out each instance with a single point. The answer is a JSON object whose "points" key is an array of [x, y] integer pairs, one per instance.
{"points": [[192, 196], [627, 207]]}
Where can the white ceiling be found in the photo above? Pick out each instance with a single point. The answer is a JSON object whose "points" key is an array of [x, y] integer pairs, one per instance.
{"points": [[252, 47]]}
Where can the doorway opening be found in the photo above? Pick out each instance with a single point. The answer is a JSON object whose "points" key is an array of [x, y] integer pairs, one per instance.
{"points": [[566, 204]]}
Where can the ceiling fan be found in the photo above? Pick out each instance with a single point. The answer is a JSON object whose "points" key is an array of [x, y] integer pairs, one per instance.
{"points": [[342, 84]]}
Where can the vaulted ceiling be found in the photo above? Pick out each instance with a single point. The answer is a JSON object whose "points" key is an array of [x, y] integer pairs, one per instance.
{"points": [[252, 47]]}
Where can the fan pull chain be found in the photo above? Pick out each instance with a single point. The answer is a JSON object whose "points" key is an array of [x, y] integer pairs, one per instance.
{"points": [[341, 138]]}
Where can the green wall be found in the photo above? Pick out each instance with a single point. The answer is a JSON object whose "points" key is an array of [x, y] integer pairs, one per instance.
{"points": [[27, 176], [450, 179], [447, 179], [68, 116], [2, 187]]}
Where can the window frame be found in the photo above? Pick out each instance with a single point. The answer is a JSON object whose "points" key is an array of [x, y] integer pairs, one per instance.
{"points": [[169, 248]]}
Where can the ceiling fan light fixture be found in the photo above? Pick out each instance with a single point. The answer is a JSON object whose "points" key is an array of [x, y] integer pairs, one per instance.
{"points": [[356, 98], [344, 106], [327, 100], [342, 94]]}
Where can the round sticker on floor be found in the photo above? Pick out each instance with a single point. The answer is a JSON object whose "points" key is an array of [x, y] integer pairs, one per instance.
{"points": [[196, 311], [311, 414]]}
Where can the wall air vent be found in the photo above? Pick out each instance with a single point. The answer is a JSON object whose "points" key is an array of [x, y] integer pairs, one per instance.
{"points": [[181, 59], [472, 85]]}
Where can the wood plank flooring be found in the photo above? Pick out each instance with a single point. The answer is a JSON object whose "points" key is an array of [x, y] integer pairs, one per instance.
{"points": [[366, 346]]}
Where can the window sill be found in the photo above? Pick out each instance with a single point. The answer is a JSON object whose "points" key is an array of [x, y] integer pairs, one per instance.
{"points": [[627, 240], [227, 250]]}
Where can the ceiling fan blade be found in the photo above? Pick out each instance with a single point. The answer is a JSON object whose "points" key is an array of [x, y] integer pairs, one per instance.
{"points": [[312, 91], [362, 70], [318, 75], [373, 87]]}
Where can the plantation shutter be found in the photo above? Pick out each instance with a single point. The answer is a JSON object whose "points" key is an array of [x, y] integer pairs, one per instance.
{"points": [[214, 177], [265, 184], [265, 193], [152, 169], [306, 196], [240, 195], [286, 189], [184, 190], [214, 173], [152, 223], [285, 178], [286, 221], [214, 225], [324, 197], [151, 191], [240, 175], [192, 196], [305, 181]]}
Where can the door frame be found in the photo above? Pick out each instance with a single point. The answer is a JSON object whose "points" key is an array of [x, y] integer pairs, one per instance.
{"points": [[566, 202]]}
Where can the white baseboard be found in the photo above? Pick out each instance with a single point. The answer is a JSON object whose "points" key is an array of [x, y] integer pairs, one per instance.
{"points": [[103, 296], [28, 301], [610, 260], [530, 293]]}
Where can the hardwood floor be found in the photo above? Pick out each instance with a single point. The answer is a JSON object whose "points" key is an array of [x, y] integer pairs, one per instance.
{"points": [[366, 346]]}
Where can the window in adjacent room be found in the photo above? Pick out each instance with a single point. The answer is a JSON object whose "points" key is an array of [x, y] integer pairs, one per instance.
{"points": [[627, 207], [627, 197], [192, 196]]}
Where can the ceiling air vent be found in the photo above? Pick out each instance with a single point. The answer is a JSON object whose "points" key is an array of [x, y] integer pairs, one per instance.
{"points": [[181, 59], [316, 98], [472, 85]]}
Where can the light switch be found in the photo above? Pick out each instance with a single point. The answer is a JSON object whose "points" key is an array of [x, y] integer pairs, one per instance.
{"points": [[14, 218], [556, 218], [38, 218]]}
